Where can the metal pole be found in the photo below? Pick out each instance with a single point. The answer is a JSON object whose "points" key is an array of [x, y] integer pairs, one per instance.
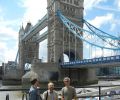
{"points": [[26, 96], [63, 42], [23, 96], [7, 97], [99, 92]]}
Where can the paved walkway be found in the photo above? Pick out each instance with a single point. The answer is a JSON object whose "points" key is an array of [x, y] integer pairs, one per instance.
{"points": [[13, 95]]}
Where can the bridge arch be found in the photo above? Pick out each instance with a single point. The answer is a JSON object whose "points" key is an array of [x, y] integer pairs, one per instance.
{"points": [[69, 55]]}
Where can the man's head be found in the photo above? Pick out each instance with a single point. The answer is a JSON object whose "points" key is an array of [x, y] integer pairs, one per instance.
{"points": [[35, 82], [66, 81], [50, 86]]}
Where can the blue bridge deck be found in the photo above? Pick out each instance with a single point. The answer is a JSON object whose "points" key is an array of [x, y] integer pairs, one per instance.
{"points": [[94, 61]]}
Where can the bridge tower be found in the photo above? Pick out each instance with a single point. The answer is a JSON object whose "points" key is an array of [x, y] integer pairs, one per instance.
{"points": [[28, 50], [60, 40]]}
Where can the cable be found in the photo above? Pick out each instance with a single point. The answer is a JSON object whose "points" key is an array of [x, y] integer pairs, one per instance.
{"points": [[103, 33], [73, 27], [63, 41]]}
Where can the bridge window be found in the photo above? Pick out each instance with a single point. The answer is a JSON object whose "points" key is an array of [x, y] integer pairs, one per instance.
{"points": [[76, 2], [100, 59], [112, 58], [117, 57], [70, 1], [65, 7], [108, 58]]}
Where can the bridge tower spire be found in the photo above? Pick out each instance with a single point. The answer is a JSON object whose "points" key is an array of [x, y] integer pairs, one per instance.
{"points": [[60, 40], [28, 50]]}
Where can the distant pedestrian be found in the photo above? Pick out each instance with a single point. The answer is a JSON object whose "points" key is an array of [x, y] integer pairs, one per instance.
{"points": [[34, 93], [50, 94], [68, 92]]}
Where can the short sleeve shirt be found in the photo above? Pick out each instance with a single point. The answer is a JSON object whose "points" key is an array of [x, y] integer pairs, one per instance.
{"points": [[68, 93]]}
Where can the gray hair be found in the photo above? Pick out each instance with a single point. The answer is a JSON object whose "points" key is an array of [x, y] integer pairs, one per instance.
{"points": [[66, 78]]}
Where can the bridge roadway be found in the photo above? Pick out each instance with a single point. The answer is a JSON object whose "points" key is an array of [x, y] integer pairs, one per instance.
{"points": [[41, 37], [35, 29], [110, 61]]}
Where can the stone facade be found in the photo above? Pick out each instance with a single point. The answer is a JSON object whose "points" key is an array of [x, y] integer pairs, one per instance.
{"points": [[28, 50], [60, 40]]}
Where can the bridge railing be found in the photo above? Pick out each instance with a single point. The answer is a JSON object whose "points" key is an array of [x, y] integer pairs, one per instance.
{"points": [[101, 93], [93, 61]]}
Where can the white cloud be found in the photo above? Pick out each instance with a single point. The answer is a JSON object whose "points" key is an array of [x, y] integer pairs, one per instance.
{"points": [[7, 34], [6, 28], [113, 26], [107, 8], [88, 4], [35, 10], [98, 21], [6, 54], [117, 2]]}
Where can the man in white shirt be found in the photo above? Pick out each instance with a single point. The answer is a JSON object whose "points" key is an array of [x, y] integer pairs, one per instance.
{"points": [[50, 94]]}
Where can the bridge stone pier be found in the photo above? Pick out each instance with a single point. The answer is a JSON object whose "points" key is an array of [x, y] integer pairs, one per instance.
{"points": [[60, 42]]}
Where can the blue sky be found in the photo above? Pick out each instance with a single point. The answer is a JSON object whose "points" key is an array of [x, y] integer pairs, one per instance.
{"points": [[104, 14]]}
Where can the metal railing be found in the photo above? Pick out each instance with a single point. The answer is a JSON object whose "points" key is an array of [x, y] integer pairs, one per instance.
{"points": [[101, 92], [99, 60]]}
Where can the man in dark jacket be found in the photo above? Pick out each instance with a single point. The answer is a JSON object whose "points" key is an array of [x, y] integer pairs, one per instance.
{"points": [[34, 92]]}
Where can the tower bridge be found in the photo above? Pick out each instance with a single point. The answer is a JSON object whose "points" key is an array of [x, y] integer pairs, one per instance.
{"points": [[65, 35]]}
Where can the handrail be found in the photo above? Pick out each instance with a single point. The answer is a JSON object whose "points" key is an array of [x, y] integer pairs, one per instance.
{"points": [[99, 95], [98, 60]]}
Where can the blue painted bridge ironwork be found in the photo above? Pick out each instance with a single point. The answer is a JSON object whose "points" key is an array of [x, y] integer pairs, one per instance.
{"points": [[95, 62]]}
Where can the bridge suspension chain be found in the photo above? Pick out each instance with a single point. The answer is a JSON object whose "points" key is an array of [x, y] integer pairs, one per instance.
{"points": [[99, 32], [63, 41], [76, 30], [103, 37]]}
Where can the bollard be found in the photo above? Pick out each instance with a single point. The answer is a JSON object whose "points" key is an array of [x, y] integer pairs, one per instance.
{"points": [[26, 96], [23, 96], [99, 92], [7, 97]]}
